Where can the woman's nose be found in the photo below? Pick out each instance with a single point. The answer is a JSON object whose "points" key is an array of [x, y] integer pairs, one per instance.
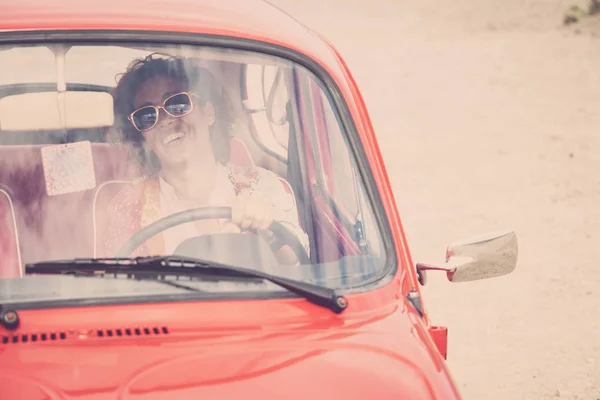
{"points": [[164, 119]]}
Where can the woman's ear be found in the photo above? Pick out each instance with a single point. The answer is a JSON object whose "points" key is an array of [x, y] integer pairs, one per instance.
{"points": [[209, 112]]}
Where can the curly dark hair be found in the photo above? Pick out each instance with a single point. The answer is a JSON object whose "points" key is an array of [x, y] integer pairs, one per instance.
{"points": [[195, 78]]}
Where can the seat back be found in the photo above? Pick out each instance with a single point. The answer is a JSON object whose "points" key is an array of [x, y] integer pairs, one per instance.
{"points": [[239, 154], [10, 261], [105, 192], [55, 226], [103, 195]]}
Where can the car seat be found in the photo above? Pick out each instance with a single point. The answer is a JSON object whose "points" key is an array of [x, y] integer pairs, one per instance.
{"points": [[10, 264], [106, 191], [48, 226]]}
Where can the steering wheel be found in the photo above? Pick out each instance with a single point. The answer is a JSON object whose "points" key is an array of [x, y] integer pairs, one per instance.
{"points": [[282, 233]]}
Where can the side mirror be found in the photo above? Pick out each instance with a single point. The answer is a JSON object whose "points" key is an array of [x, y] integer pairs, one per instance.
{"points": [[484, 257]]}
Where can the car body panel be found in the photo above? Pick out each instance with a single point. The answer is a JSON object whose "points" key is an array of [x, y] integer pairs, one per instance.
{"points": [[380, 345], [261, 348]]}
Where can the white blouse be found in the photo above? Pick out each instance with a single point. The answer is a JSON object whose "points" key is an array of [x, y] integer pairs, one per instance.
{"points": [[264, 181]]}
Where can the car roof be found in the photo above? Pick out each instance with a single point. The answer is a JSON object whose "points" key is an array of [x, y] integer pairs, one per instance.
{"points": [[250, 19]]}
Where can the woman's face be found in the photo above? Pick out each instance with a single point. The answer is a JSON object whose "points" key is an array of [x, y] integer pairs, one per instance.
{"points": [[176, 140]]}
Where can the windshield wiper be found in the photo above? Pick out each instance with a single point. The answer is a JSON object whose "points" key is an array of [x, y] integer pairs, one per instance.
{"points": [[185, 266]]}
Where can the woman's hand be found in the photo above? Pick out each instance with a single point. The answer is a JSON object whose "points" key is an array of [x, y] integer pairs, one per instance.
{"points": [[250, 210], [253, 211]]}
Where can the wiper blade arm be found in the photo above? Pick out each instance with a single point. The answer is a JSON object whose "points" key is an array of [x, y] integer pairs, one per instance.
{"points": [[170, 265], [88, 266]]}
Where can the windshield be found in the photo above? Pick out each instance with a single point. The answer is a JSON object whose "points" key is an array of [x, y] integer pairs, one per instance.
{"points": [[105, 150]]}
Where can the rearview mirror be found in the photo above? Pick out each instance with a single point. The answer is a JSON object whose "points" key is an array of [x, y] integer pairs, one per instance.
{"points": [[484, 257]]}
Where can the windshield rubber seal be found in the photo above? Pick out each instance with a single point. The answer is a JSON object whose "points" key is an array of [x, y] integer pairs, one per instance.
{"points": [[185, 295]]}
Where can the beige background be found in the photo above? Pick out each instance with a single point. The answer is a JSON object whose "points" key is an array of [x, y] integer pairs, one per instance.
{"points": [[488, 115]]}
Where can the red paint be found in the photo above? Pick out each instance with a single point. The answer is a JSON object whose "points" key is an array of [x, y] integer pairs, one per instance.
{"points": [[379, 347], [440, 337], [260, 348]]}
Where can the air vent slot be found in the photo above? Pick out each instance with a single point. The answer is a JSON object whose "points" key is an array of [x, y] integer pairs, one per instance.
{"points": [[40, 337], [141, 331], [33, 337]]}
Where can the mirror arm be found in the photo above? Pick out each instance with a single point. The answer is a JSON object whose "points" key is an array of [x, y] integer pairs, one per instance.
{"points": [[429, 267], [421, 268]]}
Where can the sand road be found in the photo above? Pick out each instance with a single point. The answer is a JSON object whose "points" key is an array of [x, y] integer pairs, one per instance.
{"points": [[488, 114]]}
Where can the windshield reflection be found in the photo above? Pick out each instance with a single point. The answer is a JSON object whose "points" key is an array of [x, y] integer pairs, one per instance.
{"points": [[97, 143]]}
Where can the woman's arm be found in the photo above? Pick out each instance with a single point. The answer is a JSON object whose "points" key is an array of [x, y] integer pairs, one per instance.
{"points": [[284, 204]]}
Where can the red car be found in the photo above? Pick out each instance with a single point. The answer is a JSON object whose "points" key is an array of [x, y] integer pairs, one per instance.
{"points": [[193, 205]]}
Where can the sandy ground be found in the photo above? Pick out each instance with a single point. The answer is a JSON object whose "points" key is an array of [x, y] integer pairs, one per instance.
{"points": [[488, 114]]}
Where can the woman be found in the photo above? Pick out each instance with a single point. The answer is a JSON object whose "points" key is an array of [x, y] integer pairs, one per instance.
{"points": [[175, 118]]}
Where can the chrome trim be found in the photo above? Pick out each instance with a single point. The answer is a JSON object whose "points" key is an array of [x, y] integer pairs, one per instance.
{"points": [[14, 217]]}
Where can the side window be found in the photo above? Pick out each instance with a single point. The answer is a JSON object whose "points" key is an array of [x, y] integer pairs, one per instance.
{"points": [[339, 173], [342, 181], [24, 64]]}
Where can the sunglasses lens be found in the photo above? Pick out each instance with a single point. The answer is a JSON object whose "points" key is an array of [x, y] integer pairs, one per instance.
{"points": [[144, 118], [178, 105]]}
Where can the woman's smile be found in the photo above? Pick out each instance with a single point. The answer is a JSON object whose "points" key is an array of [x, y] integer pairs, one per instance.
{"points": [[173, 138]]}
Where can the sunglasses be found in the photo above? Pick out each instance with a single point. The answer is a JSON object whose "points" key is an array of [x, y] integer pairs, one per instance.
{"points": [[176, 105]]}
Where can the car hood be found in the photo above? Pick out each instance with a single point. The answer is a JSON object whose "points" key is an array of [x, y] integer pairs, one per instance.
{"points": [[324, 372], [351, 373], [306, 355]]}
